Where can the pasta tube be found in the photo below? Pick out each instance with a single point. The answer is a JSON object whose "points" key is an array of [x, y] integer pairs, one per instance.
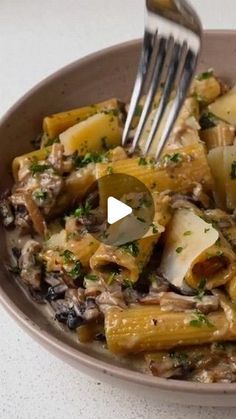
{"points": [[206, 90], [54, 124], [126, 261], [148, 328], [224, 107], [195, 250], [220, 135], [97, 133], [81, 247], [129, 260], [18, 162], [179, 171], [216, 163]]}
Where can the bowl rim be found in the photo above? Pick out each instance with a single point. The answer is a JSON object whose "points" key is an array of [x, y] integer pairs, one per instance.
{"points": [[63, 348]]}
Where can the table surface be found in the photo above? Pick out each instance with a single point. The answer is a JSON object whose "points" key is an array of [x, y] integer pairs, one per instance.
{"points": [[36, 38]]}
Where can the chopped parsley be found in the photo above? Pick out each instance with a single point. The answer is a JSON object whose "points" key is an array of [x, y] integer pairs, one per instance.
{"points": [[36, 168], [201, 289], [179, 358], [174, 158], [68, 256], [40, 195], [109, 170], [205, 75], [51, 141], [82, 161], [219, 253], [91, 277], [206, 230], [111, 278], [233, 170], [83, 210], [76, 270], [179, 249], [188, 233], [154, 228], [200, 320], [142, 161], [131, 248]]}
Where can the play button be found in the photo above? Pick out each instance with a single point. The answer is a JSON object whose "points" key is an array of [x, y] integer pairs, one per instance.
{"points": [[116, 210], [125, 210]]}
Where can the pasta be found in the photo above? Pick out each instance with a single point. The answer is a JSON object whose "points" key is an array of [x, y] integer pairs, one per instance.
{"points": [[54, 124], [149, 328], [161, 280]]}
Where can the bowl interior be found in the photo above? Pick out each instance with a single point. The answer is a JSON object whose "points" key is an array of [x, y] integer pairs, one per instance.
{"points": [[107, 74]]}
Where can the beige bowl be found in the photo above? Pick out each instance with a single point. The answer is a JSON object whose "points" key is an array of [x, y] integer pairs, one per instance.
{"points": [[106, 74]]}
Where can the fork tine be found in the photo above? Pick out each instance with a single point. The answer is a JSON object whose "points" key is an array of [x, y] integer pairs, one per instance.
{"points": [[186, 77], [144, 63], [156, 78], [171, 76]]}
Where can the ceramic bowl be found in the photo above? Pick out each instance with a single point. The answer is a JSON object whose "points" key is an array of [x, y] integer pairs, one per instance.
{"points": [[106, 74]]}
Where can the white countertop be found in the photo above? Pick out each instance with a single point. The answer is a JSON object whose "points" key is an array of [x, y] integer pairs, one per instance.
{"points": [[36, 38]]}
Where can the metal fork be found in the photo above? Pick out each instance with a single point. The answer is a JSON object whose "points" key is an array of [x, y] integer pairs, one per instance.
{"points": [[172, 40]]}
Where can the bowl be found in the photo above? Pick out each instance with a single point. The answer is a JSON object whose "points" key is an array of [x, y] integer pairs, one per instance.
{"points": [[109, 73]]}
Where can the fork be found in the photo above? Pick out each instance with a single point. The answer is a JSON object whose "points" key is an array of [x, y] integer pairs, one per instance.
{"points": [[171, 46]]}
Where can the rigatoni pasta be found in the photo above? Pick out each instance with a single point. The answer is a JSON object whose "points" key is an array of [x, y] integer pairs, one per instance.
{"points": [[159, 282]]}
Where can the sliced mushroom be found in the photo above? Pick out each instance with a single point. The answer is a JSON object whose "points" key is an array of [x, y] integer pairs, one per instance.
{"points": [[6, 213], [31, 270], [170, 301], [55, 158]]}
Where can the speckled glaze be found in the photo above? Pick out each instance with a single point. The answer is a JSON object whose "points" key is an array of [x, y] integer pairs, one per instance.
{"points": [[109, 73]]}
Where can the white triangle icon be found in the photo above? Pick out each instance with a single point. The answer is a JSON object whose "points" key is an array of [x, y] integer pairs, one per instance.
{"points": [[116, 210]]}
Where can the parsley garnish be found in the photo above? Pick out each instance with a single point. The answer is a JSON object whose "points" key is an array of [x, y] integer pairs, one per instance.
{"points": [[205, 75], [83, 211], [40, 195], [91, 277], [51, 141], [142, 161], [76, 270], [179, 249], [131, 248], [187, 233], [200, 320], [154, 228], [175, 158], [68, 256], [109, 170], [201, 289], [82, 161], [206, 230], [111, 278], [179, 358], [35, 167], [233, 170]]}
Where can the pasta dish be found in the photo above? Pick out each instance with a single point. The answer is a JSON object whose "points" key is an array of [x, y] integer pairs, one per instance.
{"points": [[166, 299]]}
